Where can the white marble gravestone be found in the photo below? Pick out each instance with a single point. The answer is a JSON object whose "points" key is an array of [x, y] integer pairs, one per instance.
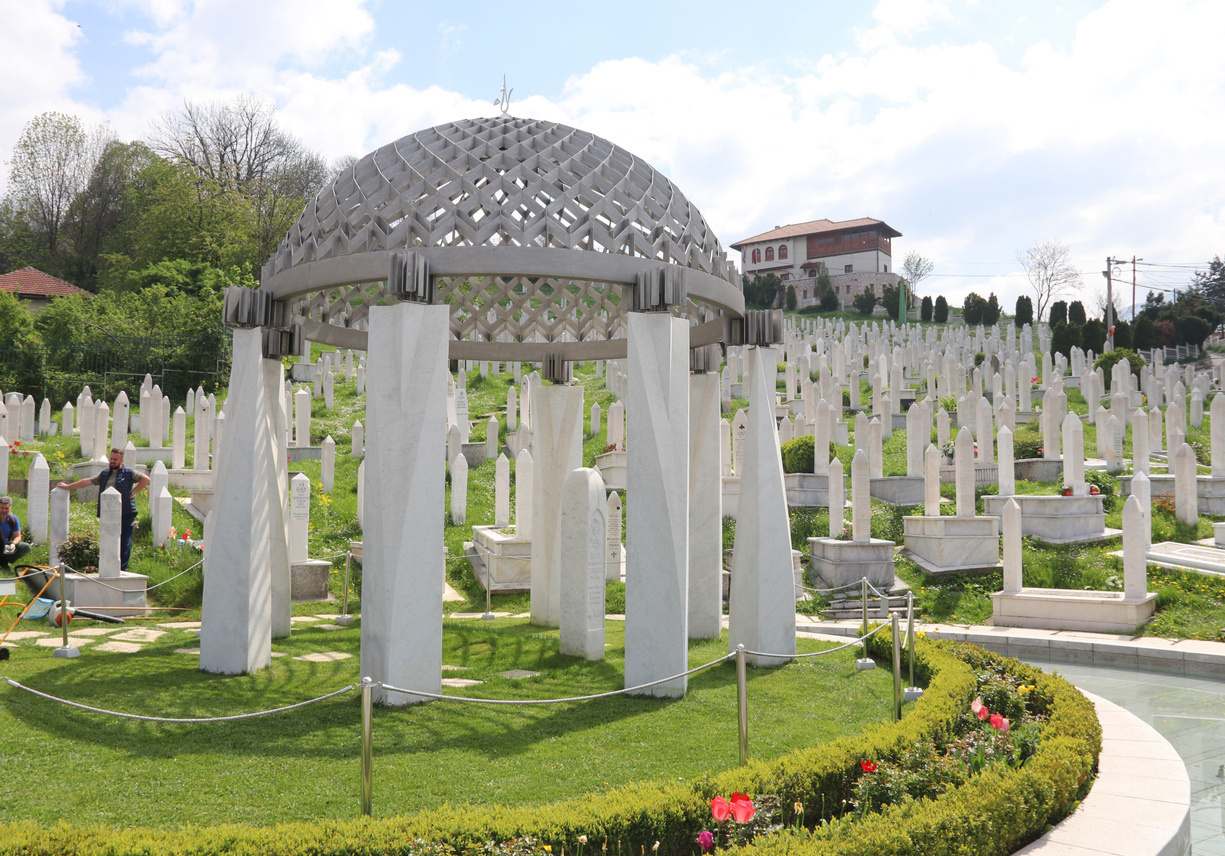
{"points": [[110, 512], [459, 490], [582, 549], [557, 441], [705, 509], [327, 464]]}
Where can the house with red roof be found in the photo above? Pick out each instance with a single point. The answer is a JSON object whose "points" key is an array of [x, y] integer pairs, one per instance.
{"points": [[857, 253], [35, 288]]}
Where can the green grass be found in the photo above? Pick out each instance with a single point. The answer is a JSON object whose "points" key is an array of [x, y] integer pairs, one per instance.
{"points": [[305, 765]]}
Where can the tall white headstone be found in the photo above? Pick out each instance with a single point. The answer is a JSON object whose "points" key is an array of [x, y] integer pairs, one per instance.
{"points": [[327, 463], [1012, 547], [110, 511], [59, 501], [459, 490], [38, 491], [584, 528]]}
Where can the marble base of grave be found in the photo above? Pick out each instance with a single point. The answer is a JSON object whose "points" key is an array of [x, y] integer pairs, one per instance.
{"points": [[731, 496], [201, 502], [737, 390], [474, 453], [797, 567], [1218, 534], [189, 479], [1209, 491], [804, 490], [1070, 609], [308, 580], [1021, 417], [983, 474], [899, 421], [796, 407], [86, 470], [304, 453], [1194, 557], [1057, 519], [1037, 469], [612, 468], [501, 557], [952, 545], [121, 596], [781, 409], [149, 454], [897, 490], [302, 372], [838, 563]]}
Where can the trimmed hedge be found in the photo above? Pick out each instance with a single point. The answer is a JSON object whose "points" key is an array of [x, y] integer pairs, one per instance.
{"points": [[993, 814]]}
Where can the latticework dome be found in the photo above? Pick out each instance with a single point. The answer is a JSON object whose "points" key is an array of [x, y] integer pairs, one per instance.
{"points": [[558, 198]]}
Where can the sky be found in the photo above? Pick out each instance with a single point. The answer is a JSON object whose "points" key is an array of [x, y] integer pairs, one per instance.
{"points": [[974, 128]]}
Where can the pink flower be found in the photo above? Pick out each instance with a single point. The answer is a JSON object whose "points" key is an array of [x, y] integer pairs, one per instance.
{"points": [[976, 705], [868, 766], [999, 723], [742, 808], [720, 808], [706, 840]]}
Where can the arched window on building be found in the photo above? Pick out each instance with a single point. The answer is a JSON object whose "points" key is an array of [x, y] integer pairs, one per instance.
{"points": [[769, 254], [782, 251]]}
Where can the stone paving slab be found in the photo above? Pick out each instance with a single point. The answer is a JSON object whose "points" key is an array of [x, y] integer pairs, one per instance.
{"points": [[18, 635], [460, 683], [140, 634], [180, 625], [91, 631], [57, 641], [118, 647], [519, 673], [324, 657]]}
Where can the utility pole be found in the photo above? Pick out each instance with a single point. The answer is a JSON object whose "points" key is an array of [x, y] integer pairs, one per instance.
{"points": [[1133, 288], [1109, 304]]}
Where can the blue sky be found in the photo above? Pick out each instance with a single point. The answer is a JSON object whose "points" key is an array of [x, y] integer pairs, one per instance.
{"points": [[974, 128]]}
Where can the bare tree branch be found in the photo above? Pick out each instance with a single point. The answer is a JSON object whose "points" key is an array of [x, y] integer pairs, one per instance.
{"points": [[1048, 266]]}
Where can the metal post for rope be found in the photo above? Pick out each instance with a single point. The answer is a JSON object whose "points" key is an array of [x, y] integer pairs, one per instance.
{"points": [[345, 619], [742, 698], [911, 693], [488, 616], [65, 650], [864, 663], [367, 690], [897, 667]]}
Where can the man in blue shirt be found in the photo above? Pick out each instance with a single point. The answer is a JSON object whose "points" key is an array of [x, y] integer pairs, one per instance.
{"points": [[124, 480], [10, 531]]}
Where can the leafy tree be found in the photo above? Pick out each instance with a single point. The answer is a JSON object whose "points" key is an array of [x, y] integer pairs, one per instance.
{"points": [[1076, 313], [792, 300], [1059, 313], [925, 308], [1122, 335], [763, 292], [941, 312], [915, 269], [50, 167], [1144, 334], [972, 309], [1165, 333], [864, 302], [1093, 335], [1065, 337], [1154, 304], [1192, 330], [1211, 284], [1024, 312], [991, 311], [1049, 269]]}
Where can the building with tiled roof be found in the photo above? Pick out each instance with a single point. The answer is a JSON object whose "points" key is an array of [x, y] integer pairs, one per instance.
{"points": [[857, 253], [36, 288]]}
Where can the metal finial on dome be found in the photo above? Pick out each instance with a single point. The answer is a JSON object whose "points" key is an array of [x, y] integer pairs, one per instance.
{"points": [[503, 100]]}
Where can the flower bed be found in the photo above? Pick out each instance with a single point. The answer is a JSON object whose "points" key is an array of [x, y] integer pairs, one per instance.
{"points": [[812, 793]]}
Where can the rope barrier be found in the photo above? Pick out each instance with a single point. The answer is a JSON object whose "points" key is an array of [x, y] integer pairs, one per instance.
{"points": [[175, 577], [834, 589], [814, 653], [440, 697], [143, 718]]}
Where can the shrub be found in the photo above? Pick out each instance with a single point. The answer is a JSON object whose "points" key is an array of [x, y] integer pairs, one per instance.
{"points": [[1058, 313], [991, 310], [864, 302], [1063, 338], [1026, 444], [1024, 311], [1192, 330], [1076, 313], [925, 309], [973, 308], [1106, 362], [80, 550], [792, 300], [941, 312], [1144, 334], [797, 455], [1122, 334], [1092, 335], [829, 300]]}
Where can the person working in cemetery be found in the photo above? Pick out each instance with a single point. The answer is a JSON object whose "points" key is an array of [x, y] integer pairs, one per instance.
{"points": [[124, 480], [10, 532]]}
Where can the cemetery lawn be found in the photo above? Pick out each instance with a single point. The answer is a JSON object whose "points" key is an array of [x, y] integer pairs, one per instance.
{"points": [[304, 764]]}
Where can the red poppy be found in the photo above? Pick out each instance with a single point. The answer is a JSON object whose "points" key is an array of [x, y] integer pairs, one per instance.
{"points": [[720, 808], [868, 766], [742, 808], [1067, 491], [1093, 491]]}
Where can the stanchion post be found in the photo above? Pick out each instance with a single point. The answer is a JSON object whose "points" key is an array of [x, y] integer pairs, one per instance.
{"points": [[66, 651], [367, 690], [345, 619], [897, 668], [911, 693], [864, 663], [488, 616], [742, 705]]}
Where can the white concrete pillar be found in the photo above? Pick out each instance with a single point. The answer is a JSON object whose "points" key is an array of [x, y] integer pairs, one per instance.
{"points": [[403, 539], [705, 509]]}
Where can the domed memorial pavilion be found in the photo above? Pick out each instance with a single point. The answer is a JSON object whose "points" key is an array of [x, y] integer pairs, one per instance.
{"points": [[487, 239]]}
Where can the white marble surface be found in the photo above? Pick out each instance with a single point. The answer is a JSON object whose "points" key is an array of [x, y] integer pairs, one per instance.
{"points": [[556, 414], [582, 549]]}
